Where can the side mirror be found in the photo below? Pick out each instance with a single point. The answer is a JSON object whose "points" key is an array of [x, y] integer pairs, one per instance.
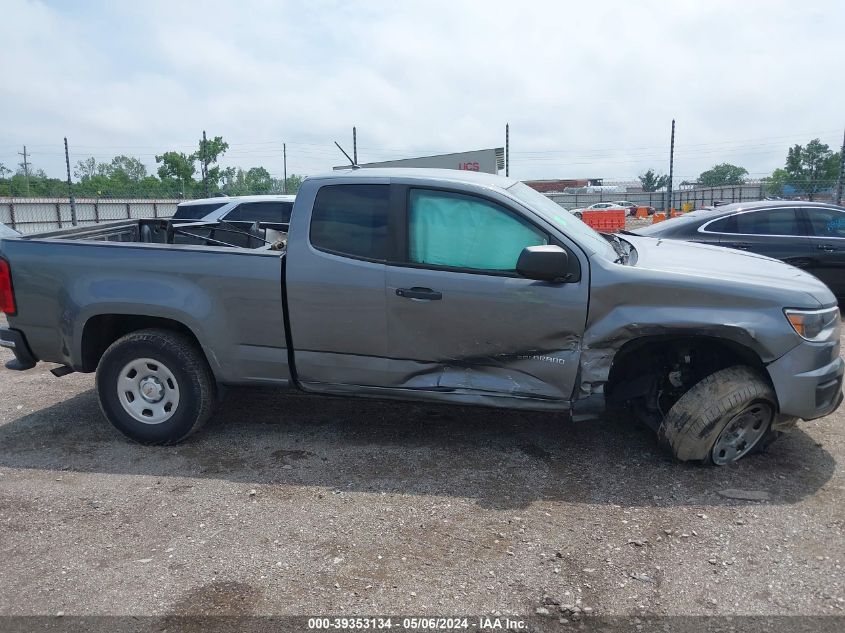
{"points": [[544, 263]]}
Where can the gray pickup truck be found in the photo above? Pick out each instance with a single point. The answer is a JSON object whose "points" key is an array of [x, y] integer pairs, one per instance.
{"points": [[431, 285]]}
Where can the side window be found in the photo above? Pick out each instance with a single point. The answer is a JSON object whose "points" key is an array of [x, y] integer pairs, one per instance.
{"points": [[351, 220], [195, 211], [826, 222], [724, 225], [276, 212], [459, 231], [770, 222]]}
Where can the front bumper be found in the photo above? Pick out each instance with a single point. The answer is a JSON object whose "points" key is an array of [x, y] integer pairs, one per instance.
{"points": [[16, 341], [808, 380]]}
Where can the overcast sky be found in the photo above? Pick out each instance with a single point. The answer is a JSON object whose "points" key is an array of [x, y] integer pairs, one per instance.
{"points": [[589, 88]]}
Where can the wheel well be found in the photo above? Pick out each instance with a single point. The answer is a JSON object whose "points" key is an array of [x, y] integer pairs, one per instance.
{"points": [[104, 329], [640, 363]]}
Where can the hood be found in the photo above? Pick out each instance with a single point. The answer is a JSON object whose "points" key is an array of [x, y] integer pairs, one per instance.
{"points": [[714, 264]]}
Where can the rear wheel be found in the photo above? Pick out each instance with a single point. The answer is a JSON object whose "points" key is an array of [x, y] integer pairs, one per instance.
{"points": [[722, 418], [155, 386]]}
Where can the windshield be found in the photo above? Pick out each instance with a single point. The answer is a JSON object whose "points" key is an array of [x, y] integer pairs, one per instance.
{"points": [[563, 219]]}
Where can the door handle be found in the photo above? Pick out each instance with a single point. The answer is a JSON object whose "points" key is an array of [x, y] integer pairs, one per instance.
{"points": [[426, 294], [826, 247], [742, 246]]}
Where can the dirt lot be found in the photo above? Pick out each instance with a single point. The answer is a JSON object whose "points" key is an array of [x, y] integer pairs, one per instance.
{"points": [[289, 504]]}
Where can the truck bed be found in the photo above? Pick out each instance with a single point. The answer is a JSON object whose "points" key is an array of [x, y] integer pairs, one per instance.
{"points": [[169, 232], [228, 296]]}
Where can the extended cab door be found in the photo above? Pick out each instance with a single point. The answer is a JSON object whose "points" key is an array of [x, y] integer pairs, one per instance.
{"points": [[334, 283], [463, 326]]}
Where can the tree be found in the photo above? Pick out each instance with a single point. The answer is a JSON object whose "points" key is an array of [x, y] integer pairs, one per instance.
{"points": [[177, 166], [723, 174], [126, 168], [651, 181], [812, 168], [294, 182], [208, 153], [773, 185], [85, 169], [6, 188], [258, 180]]}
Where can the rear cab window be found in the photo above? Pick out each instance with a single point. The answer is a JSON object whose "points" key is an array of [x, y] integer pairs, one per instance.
{"points": [[351, 221]]}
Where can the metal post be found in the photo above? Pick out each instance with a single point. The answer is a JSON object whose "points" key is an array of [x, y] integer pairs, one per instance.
{"points": [[25, 168], [285, 159], [507, 149], [70, 188], [839, 183], [671, 169], [354, 145], [204, 164]]}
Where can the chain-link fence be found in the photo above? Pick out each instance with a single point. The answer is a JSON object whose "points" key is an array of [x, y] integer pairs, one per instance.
{"points": [[688, 197], [33, 215]]}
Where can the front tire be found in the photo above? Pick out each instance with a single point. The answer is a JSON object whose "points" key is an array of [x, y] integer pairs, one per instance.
{"points": [[155, 386], [721, 419]]}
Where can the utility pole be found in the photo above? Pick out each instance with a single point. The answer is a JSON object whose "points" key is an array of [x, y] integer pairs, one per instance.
{"points": [[204, 160], [671, 170], [25, 168], [70, 188], [839, 182], [354, 145], [285, 159], [507, 149]]}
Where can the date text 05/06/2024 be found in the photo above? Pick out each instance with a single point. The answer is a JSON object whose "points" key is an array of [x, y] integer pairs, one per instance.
{"points": [[484, 623]]}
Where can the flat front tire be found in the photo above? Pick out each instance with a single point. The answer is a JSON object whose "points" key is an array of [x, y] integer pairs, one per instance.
{"points": [[155, 386], [721, 419]]}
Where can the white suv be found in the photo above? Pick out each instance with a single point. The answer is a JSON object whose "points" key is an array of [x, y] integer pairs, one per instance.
{"points": [[271, 209]]}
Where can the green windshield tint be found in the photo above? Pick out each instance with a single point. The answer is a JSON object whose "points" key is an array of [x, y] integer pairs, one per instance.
{"points": [[449, 229]]}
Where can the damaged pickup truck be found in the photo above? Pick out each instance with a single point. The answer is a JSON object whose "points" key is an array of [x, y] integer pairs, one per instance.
{"points": [[441, 286]]}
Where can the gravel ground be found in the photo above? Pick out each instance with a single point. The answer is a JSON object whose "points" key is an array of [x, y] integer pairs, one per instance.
{"points": [[292, 504]]}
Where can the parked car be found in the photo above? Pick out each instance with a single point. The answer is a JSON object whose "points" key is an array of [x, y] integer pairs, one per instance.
{"points": [[273, 209], [809, 235], [430, 285], [632, 207], [599, 206]]}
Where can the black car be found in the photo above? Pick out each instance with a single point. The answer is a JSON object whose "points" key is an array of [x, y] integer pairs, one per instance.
{"points": [[809, 235]]}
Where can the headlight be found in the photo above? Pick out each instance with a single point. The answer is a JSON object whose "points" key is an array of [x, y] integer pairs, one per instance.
{"points": [[814, 325]]}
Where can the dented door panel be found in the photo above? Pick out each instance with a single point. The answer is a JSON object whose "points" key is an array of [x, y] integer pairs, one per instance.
{"points": [[508, 339]]}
